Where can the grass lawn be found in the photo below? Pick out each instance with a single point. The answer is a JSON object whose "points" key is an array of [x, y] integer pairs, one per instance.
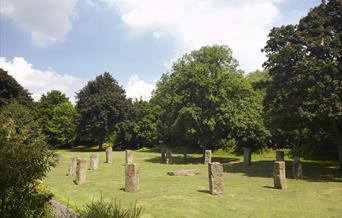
{"points": [[248, 189]]}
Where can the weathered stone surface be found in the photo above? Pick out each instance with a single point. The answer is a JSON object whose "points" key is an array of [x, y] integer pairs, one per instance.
{"points": [[190, 172], [207, 156], [62, 211], [94, 161], [247, 156], [57, 159], [297, 168], [81, 171], [109, 152], [279, 175], [279, 155], [129, 156], [131, 177], [215, 173], [72, 166], [168, 156]]}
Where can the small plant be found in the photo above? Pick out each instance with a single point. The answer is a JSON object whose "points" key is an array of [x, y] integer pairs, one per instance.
{"points": [[112, 209]]}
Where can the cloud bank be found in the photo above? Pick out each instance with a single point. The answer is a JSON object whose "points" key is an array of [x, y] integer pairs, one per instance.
{"points": [[138, 88]]}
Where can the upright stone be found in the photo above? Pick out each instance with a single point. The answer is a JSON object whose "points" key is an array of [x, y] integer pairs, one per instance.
{"points": [[280, 156], [279, 175], [207, 156], [109, 152], [215, 173], [57, 159], [131, 177], [297, 168], [168, 156], [247, 156], [81, 171], [163, 153], [94, 161], [129, 156], [72, 166]]}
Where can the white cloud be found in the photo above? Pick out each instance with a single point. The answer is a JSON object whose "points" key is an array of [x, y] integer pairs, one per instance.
{"points": [[48, 21], [137, 88], [243, 25], [39, 82]]}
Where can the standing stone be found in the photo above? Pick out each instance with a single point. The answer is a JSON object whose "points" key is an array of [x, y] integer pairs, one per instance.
{"points": [[279, 155], [57, 159], [163, 154], [279, 175], [168, 156], [94, 161], [129, 156], [72, 166], [215, 173], [247, 156], [109, 152], [207, 156], [131, 177], [81, 171], [297, 168]]}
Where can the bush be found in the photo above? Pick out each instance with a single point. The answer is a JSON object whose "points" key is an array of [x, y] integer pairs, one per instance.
{"points": [[112, 209]]}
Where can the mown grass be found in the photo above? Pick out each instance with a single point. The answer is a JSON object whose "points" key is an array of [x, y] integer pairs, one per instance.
{"points": [[248, 189]]}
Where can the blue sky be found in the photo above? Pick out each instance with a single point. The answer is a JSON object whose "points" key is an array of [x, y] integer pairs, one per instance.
{"points": [[50, 44]]}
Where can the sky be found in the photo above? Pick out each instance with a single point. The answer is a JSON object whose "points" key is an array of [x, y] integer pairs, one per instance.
{"points": [[61, 44]]}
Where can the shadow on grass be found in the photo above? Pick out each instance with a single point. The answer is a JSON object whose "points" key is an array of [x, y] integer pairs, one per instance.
{"points": [[312, 171], [204, 191], [191, 160]]}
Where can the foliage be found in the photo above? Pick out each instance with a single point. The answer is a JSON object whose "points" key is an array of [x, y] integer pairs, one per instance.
{"points": [[113, 209], [24, 159], [57, 118], [304, 61], [259, 79], [12, 90], [206, 100], [103, 108]]}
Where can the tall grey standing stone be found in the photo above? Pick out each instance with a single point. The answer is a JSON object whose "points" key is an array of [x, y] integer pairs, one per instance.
{"points": [[215, 173], [57, 159], [109, 152], [94, 161], [72, 166], [81, 171], [129, 156], [168, 156], [279, 175], [297, 168], [280, 156], [131, 177], [247, 156], [207, 156]]}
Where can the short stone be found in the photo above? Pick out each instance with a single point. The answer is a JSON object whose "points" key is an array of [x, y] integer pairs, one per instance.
{"points": [[207, 156], [131, 177], [190, 172], [57, 159], [72, 166], [297, 168], [81, 171], [94, 161], [129, 156], [280, 156], [109, 152], [279, 175], [247, 156], [215, 173]]}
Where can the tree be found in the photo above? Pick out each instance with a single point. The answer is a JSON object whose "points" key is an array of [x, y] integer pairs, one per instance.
{"points": [[24, 160], [304, 61], [206, 101], [259, 79], [12, 90], [102, 106], [57, 118]]}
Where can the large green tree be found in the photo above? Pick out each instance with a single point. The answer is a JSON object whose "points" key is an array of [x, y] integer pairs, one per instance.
{"points": [[24, 160], [103, 108], [206, 101], [10, 90], [305, 63], [57, 118]]}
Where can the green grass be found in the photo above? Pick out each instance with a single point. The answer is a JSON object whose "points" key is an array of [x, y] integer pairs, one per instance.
{"points": [[248, 189]]}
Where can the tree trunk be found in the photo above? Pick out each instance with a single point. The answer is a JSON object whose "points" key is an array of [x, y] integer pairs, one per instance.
{"points": [[100, 146]]}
